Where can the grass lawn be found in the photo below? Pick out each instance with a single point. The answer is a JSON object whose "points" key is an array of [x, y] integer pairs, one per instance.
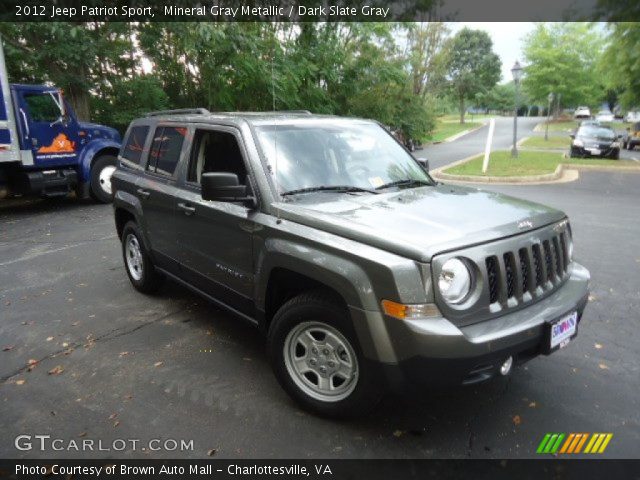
{"points": [[455, 117], [557, 142], [528, 163], [445, 129]]}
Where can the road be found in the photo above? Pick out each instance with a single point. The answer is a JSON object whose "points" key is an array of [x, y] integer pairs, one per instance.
{"points": [[173, 366], [474, 142]]}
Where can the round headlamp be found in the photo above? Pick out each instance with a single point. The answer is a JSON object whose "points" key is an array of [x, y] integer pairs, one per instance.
{"points": [[454, 281]]}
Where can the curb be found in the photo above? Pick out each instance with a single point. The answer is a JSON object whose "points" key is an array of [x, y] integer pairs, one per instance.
{"points": [[562, 174]]}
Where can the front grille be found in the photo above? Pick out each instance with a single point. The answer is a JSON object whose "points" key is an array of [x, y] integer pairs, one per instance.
{"points": [[533, 269]]}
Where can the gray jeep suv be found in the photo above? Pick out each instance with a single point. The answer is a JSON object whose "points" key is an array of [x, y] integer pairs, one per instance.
{"points": [[364, 273]]}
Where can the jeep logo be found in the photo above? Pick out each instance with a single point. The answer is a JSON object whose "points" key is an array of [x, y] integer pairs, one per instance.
{"points": [[525, 224]]}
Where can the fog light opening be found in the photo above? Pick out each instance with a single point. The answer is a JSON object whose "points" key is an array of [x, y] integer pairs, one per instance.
{"points": [[505, 368]]}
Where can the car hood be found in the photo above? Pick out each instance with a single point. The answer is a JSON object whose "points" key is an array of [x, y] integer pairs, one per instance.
{"points": [[100, 131], [421, 222]]}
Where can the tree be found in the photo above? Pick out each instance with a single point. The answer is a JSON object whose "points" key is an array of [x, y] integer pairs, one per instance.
{"points": [[473, 67], [561, 58], [427, 54], [621, 62]]}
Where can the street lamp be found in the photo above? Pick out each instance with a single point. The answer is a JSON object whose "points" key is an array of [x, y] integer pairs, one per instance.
{"points": [[516, 71]]}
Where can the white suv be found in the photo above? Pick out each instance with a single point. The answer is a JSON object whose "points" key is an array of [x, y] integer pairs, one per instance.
{"points": [[582, 112]]}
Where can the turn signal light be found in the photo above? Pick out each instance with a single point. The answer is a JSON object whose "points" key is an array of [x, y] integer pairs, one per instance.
{"points": [[402, 311]]}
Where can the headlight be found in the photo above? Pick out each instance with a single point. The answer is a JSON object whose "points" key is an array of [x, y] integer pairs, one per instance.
{"points": [[454, 281], [578, 143]]}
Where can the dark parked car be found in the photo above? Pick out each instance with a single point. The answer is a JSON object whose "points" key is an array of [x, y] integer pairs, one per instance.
{"points": [[363, 273], [595, 141]]}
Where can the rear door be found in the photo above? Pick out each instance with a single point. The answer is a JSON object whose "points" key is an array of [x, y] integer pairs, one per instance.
{"points": [[9, 149], [159, 194]]}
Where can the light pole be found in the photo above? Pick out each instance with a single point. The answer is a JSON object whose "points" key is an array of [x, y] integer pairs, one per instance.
{"points": [[516, 71], [546, 128]]}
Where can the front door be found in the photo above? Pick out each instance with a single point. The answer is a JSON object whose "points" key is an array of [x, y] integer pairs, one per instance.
{"points": [[48, 128], [215, 238]]}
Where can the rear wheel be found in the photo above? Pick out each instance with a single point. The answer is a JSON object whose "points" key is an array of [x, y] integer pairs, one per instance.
{"points": [[142, 274], [316, 357], [101, 173]]}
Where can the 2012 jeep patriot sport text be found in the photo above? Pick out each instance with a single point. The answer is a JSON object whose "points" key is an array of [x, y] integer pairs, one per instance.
{"points": [[364, 273]]}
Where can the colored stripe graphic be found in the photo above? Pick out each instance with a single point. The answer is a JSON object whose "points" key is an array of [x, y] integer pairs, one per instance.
{"points": [[573, 443]]}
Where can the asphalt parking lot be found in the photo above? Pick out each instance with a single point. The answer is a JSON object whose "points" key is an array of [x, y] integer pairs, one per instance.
{"points": [[84, 356]]}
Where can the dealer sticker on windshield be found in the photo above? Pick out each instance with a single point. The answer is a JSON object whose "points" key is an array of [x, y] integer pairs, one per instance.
{"points": [[563, 330]]}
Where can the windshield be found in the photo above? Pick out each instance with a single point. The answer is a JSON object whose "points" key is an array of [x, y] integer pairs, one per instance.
{"points": [[596, 132], [337, 154]]}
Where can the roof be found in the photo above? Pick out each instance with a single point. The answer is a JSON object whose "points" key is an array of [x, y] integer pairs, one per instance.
{"points": [[202, 115]]}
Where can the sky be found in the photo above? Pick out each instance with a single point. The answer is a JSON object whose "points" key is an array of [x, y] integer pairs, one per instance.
{"points": [[507, 40]]}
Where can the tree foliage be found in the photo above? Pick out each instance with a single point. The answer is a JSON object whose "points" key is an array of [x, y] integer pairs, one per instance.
{"points": [[621, 63], [114, 72], [561, 58], [473, 67]]}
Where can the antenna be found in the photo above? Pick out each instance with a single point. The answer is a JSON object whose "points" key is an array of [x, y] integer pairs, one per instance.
{"points": [[275, 124]]}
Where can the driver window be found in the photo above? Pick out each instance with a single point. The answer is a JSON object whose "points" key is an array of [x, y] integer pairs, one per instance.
{"points": [[215, 152], [42, 107]]}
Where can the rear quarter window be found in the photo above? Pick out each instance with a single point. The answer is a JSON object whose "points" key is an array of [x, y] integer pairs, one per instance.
{"points": [[134, 145]]}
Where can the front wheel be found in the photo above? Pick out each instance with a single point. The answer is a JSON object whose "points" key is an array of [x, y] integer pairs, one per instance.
{"points": [[316, 357], [101, 173]]}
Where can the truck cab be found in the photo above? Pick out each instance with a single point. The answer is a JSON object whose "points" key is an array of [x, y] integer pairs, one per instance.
{"points": [[46, 151]]}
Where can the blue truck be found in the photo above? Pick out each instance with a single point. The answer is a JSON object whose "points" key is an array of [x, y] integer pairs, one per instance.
{"points": [[46, 151]]}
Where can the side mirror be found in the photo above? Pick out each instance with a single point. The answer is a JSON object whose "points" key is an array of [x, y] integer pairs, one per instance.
{"points": [[424, 163], [224, 187]]}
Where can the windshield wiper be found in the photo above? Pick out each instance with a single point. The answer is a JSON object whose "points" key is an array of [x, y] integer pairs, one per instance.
{"points": [[408, 182], [330, 188]]}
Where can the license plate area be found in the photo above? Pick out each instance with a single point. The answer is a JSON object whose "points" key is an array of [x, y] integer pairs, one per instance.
{"points": [[560, 332]]}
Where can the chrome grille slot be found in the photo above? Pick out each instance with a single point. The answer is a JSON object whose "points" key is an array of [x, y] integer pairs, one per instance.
{"points": [[492, 278], [510, 271], [523, 254]]}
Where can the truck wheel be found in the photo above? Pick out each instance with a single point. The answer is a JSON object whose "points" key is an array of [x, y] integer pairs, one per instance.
{"points": [[316, 358], [143, 275], [101, 173]]}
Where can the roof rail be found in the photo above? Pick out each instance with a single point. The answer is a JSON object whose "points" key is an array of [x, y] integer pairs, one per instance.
{"points": [[183, 111]]}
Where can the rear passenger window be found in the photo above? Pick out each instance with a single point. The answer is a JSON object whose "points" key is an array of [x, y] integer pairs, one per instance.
{"points": [[165, 149], [134, 145]]}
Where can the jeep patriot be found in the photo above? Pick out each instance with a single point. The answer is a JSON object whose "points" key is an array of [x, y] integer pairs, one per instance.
{"points": [[364, 273]]}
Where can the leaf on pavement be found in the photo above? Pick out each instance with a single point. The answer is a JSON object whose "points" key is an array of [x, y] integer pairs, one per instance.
{"points": [[603, 366], [82, 434], [116, 423], [158, 364], [597, 345], [592, 298], [533, 405], [20, 382], [8, 348], [516, 420], [123, 354], [211, 452], [31, 364], [112, 416], [398, 433], [57, 370]]}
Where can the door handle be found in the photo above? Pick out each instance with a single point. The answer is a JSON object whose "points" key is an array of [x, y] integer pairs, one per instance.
{"points": [[187, 209], [144, 193]]}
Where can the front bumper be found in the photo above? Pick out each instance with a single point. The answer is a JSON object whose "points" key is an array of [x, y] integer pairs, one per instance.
{"points": [[436, 353], [586, 152]]}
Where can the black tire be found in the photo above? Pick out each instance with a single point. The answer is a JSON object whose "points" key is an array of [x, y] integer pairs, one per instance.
{"points": [[99, 190], [615, 155], [146, 279], [322, 308]]}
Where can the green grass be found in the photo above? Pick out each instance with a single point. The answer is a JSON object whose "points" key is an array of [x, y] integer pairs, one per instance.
{"points": [[445, 129], [455, 117], [555, 142], [528, 163]]}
